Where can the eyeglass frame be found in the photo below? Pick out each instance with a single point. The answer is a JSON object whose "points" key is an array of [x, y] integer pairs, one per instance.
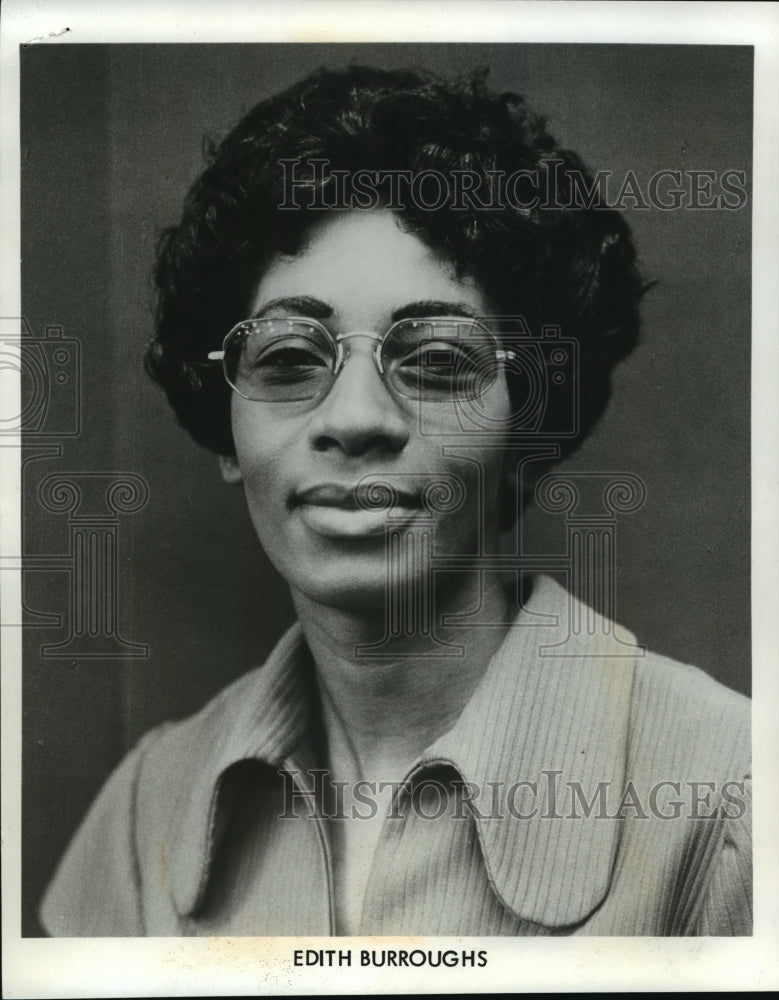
{"points": [[337, 340]]}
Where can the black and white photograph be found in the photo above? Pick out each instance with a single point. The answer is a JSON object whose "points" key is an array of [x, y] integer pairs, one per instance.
{"points": [[389, 579]]}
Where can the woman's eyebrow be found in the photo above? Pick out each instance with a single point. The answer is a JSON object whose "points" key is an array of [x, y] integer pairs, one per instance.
{"points": [[433, 307], [300, 305]]}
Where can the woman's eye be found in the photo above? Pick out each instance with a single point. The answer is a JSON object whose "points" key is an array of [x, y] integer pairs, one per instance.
{"points": [[291, 357], [287, 361], [438, 359]]}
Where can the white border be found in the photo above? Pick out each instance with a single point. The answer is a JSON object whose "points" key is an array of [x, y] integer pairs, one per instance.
{"points": [[225, 966]]}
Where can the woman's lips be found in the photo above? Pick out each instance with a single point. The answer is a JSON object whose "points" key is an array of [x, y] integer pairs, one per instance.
{"points": [[335, 510]]}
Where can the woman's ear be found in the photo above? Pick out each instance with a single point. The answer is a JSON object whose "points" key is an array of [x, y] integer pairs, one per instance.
{"points": [[231, 471]]}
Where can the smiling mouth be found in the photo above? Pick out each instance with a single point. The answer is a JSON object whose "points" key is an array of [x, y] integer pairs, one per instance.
{"points": [[346, 511]]}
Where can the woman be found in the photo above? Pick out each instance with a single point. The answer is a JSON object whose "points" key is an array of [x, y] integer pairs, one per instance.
{"points": [[348, 316]]}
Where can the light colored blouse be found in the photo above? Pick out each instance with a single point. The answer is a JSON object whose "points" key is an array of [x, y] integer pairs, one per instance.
{"points": [[583, 793]]}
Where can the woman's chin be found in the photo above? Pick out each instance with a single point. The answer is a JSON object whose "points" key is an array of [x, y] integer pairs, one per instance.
{"points": [[364, 589], [350, 595]]}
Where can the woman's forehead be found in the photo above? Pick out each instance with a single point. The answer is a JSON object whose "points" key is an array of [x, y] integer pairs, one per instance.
{"points": [[365, 266]]}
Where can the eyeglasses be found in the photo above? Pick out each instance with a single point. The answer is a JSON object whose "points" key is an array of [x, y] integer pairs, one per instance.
{"points": [[293, 358]]}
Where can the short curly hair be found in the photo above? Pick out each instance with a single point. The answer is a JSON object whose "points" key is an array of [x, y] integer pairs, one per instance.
{"points": [[553, 262]]}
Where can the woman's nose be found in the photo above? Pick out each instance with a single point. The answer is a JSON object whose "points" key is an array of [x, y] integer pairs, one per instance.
{"points": [[359, 413]]}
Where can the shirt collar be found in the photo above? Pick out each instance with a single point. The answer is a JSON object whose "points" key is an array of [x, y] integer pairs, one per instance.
{"points": [[262, 716], [552, 709], [550, 701]]}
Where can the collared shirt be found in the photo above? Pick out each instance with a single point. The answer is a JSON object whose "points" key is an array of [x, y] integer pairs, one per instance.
{"points": [[587, 787]]}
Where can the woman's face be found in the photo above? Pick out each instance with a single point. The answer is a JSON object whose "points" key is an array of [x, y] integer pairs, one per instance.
{"points": [[300, 461]]}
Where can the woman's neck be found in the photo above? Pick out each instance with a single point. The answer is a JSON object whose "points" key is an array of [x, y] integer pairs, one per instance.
{"points": [[379, 713]]}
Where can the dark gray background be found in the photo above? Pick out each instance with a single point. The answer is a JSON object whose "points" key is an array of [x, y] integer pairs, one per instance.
{"points": [[111, 138]]}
